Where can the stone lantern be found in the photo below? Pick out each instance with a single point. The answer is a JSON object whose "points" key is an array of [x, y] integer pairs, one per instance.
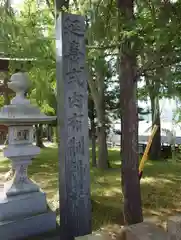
{"points": [[23, 205]]}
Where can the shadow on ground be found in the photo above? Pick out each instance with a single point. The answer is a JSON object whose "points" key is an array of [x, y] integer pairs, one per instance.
{"points": [[160, 186]]}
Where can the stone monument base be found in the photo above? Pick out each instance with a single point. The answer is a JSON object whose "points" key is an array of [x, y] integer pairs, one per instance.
{"points": [[142, 231], [25, 215], [27, 226]]}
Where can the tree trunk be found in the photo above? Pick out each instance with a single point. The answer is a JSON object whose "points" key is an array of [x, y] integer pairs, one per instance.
{"points": [[93, 138], [98, 96], [9, 175], [102, 150], [6, 95], [91, 114], [129, 120], [49, 133], [155, 150], [55, 134], [39, 141], [103, 162]]}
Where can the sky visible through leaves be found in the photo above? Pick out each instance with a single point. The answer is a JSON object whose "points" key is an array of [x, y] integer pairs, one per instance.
{"points": [[166, 113]]}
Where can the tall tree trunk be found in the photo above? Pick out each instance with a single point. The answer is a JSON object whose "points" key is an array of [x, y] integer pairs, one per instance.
{"points": [[55, 134], [7, 5], [91, 114], [6, 95], [155, 150], [93, 131], [49, 132], [99, 101], [39, 141], [102, 149], [93, 138], [129, 120], [103, 161], [9, 175]]}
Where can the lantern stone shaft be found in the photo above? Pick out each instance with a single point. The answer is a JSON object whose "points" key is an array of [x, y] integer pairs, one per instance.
{"points": [[23, 205]]}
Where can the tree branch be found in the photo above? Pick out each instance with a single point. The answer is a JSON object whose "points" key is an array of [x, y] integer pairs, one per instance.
{"points": [[156, 63], [60, 4], [49, 6], [103, 47]]}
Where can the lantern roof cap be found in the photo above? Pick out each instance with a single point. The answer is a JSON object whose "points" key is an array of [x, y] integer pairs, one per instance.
{"points": [[20, 111]]}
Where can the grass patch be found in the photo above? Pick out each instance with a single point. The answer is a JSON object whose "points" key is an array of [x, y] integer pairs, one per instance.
{"points": [[160, 186]]}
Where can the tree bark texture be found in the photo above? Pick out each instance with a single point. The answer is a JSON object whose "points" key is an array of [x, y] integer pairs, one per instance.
{"points": [[97, 92], [155, 150], [49, 133], [39, 141], [91, 114], [129, 121], [93, 138], [6, 94], [153, 86], [102, 150], [103, 162]]}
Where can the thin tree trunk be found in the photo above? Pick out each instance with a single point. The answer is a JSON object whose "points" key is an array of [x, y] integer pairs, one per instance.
{"points": [[155, 150], [103, 162], [6, 95], [98, 94], [39, 141], [129, 120], [93, 138], [91, 114], [102, 149], [9, 175], [49, 133]]}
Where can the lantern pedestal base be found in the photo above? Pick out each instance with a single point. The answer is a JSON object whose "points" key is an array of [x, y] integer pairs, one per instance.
{"points": [[22, 205], [25, 215], [21, 228]]}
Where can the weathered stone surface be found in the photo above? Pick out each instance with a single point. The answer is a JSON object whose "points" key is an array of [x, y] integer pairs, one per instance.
{"points": [[27, 226], [174, 228], [145, 231], [23, 207], [72, 96], [93, 236], [141, 231]]}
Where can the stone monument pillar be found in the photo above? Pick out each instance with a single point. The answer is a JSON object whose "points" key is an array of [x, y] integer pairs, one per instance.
{"points": [[72, 97], [23, 206]]}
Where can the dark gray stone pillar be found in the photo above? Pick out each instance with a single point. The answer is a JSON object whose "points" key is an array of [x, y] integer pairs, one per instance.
{"points": [[72, 95]]}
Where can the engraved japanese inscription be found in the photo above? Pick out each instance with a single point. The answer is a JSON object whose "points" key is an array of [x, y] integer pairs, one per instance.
{"points": [[75, 52], [75, 122], [75, 128], [76, 100], [75, 146], [74, 57]]}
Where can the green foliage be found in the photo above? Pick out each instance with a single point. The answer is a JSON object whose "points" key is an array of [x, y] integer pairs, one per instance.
{"points": [[155, 36], [28, 35], [160, 187]]}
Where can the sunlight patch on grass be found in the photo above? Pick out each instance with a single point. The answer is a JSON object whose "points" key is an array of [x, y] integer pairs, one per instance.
{"points": [[152, 180], [160, 186], [114, 149], [149, 163], [112, 192]]}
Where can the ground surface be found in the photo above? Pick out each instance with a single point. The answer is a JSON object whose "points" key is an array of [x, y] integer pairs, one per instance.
{"points": [[160, 187]]}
